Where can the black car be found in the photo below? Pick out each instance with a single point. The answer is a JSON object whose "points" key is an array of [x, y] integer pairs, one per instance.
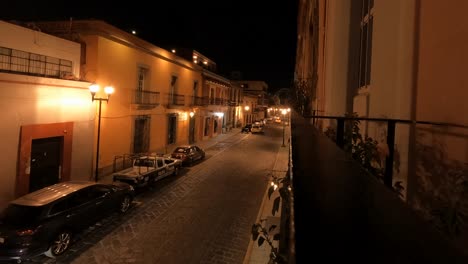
{"points": [[45, 221], [247, 128], [188, 154]]}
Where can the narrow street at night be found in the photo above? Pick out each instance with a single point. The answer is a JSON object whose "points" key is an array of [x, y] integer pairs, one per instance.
{"points": [[203, 215]]}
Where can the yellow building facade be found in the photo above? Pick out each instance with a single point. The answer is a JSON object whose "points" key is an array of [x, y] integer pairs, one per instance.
{"points": [[150, 108]]}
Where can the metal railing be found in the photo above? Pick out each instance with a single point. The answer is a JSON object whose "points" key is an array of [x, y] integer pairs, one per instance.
{"points": [[287, 246], [197, 101], [175, 99], [390, 137], [146, 97], [347, 202], [17, 61]]}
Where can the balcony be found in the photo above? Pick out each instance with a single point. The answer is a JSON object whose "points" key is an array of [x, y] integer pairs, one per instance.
{"points": [[215, 101], [339, 210], [233, 103], [145, 99], [197, 101], [175, 100], [21, 62]]}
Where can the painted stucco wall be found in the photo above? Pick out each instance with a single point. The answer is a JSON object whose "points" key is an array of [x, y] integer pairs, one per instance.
{"points": [[392, 76], [28, 100], [392, 59], [336, 54], [442, 92], [118, 66], [443, 59]]}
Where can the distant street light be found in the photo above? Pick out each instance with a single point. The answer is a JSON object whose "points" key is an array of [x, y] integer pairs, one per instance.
{"points": [[94, 88], [246, 108]]}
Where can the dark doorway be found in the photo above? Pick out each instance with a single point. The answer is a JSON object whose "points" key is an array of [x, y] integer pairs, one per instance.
{"points": [[46, 162], [141, 137], [171, 129], [192, 130]]}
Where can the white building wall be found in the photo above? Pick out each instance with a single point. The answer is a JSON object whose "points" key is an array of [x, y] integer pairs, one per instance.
{"points": [[28, 100], [392, 59], [336, 56], [392, 77]]}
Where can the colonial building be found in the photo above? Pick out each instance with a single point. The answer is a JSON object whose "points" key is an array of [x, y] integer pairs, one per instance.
{"points": [[220, 99], [152, 108], [258, 90], [47, 113]]}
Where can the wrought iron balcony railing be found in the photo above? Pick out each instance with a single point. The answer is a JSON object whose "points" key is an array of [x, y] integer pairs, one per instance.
{"points": [[175, 99], [197, 101], [17, 61], [146, 98]]}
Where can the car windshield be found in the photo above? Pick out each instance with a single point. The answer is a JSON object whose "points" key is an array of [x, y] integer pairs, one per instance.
{"points": [[180, 150], [19, 214], [144, 163]]}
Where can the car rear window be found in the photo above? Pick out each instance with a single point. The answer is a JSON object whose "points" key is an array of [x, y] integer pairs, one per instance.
{"points": [[16, 214], [180, 150]]}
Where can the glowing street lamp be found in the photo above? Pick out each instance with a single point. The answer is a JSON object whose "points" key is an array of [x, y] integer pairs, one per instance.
{"points": [[283, 112], [246, 108], [94, 88]]}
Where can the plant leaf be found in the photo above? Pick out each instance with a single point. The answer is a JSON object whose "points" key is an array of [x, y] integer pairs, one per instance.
{"points": [[261, 240], [275, 207], [270, 191]]}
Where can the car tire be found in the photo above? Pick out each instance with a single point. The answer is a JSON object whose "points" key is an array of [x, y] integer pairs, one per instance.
{"points": [[125, 204], [60, 244]]}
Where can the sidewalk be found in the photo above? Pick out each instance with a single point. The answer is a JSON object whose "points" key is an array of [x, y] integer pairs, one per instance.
{"points": [[261, 254]]}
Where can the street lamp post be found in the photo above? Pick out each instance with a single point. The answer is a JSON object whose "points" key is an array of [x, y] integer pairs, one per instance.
{"points": [[283, 112], [246, 112], [94, 88]]}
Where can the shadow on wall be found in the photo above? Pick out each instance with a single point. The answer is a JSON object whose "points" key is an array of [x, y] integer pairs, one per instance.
{"points": [[442, 186]]}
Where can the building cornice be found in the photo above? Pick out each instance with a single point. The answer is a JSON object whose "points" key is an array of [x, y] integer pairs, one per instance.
{"points": [[216, 78], [108, 31]]}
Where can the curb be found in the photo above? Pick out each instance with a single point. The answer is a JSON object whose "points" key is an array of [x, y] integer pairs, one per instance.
{"points": [[259, 216]]}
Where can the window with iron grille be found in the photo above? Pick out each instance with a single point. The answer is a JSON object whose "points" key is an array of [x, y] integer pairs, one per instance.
{"points": [[17, 61], [141, 83], [173, 90], [195, 91], [367, 21]]}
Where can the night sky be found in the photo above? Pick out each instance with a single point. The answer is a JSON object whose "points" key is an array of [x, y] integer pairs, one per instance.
{"points": [[255, 37]]}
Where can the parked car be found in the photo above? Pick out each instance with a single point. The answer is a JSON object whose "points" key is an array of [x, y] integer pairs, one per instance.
{"points": [[45, 221], [188, 154], [148, 169], [246, 128], [256, 128]]}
